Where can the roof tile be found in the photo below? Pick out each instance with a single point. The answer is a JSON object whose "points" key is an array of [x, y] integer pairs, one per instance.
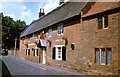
{"points": [[101, 7], [61, 13]]}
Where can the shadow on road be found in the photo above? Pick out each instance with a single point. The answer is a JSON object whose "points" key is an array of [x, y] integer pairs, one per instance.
{"points": [[4, 72]]}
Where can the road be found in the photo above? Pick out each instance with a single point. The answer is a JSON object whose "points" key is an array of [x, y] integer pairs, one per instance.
{"points": [[17, 66]]}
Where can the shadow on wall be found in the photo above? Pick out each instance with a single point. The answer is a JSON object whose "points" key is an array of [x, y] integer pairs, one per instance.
{"points": [[4, 72]]}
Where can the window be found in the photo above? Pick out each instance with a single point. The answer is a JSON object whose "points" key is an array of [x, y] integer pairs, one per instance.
{"points": [[103, 56], [103, 22], [49, 32], [109, 56], [27, 51], [97, 54], [35, 52], [100, 23], [59, 53], [60, 29], [106, 22]]}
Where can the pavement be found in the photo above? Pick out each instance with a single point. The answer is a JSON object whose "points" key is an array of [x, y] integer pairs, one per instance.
{"points": [[58, 70]]}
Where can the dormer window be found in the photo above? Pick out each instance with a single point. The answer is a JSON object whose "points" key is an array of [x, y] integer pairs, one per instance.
{"points": [[60, 29], [103, 22]]}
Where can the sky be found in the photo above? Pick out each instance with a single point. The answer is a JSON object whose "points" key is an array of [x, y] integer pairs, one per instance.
{"points": [[26, 10]]}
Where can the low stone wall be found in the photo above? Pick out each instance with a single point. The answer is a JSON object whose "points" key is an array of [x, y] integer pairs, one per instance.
{"points": [[13, 53]]}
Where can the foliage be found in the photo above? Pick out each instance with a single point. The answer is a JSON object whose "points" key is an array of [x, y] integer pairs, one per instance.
{"points": [[11, 30]]}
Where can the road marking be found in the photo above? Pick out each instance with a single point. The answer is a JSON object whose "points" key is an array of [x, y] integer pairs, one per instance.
{"points": [[39, 67]]}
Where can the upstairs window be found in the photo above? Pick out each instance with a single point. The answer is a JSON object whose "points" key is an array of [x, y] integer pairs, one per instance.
{"points": [[60, 29], [100, 23], [49, 32], [103, 22]]}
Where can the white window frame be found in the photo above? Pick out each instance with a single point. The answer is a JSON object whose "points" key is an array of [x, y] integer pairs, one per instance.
{"points": [[103, 22], [35, 52], [27, 52], [100, 56], [56, 54], [61, 30]]}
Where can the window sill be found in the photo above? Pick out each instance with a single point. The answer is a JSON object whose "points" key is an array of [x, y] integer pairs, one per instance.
{"points": [[103, 64], [60, 34], [105, 28], [58, 60]]}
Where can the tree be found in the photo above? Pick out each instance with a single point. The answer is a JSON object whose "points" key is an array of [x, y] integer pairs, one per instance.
{"points": [[10, 31], [20, 26], [1, 15]]}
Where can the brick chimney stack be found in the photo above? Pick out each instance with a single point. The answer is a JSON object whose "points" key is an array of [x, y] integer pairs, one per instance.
{"points": [[61, 2], [41, 13]]}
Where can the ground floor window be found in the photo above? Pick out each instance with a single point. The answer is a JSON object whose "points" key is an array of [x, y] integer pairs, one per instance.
{"points": [[59, 53], [103, 56], [35, 52], [27, 51]]}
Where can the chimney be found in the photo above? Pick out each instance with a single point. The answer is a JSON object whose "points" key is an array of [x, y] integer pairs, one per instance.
{"points": [[41, 13], [61, 2]]}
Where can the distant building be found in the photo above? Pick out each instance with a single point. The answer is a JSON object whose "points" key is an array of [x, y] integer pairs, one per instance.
{"points": [[82, 36]]}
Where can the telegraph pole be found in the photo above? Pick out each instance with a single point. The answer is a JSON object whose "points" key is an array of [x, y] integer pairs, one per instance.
{"points": [[15, 47]]}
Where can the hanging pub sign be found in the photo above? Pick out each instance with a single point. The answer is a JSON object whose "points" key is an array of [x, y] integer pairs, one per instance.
{"points": [[42, 35], [42, 40]]}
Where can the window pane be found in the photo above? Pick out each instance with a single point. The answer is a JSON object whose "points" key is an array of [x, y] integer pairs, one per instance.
{"points": [[59, 48], [109, 56], [97, 55], [106, 22], [103, 56], [59, 56], [100, 23], [60, 29], [49, 32]]}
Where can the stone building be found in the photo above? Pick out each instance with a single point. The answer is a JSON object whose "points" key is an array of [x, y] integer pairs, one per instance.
{"points": [[82, 36]]}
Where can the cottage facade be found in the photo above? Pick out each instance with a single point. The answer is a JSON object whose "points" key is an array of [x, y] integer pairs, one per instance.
{"points": [[80, 36]]}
